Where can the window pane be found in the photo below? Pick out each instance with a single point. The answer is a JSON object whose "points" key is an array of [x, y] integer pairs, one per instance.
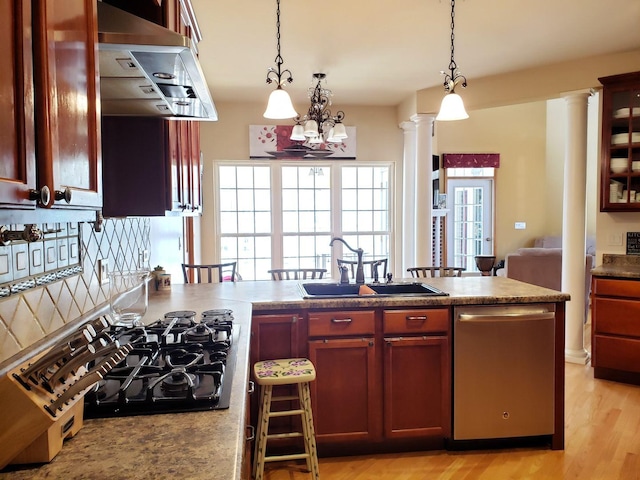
{"points": [[263, 200], [263, 222], [227, 176], [228, 223]]}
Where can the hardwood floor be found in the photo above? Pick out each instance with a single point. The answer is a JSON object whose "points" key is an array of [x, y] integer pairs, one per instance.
{"points": [[602, 442]]}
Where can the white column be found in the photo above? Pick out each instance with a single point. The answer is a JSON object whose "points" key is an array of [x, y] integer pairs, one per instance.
{"points": [[424, 189], [408, 212], [574, 225]]}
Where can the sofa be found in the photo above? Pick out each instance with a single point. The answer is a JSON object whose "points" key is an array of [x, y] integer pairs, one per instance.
{"points": [[542, 264]]}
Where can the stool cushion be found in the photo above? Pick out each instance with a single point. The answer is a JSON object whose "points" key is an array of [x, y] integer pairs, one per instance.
{"points": [[284, 372]]}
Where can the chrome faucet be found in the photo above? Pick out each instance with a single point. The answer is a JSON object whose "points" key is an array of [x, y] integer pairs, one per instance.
{"points": [[359, 252]]}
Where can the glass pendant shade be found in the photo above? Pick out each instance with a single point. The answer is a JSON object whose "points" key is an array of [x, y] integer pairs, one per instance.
{"points": [[452, 108], [316, 140], [339, 131], [297, 133], [311, 128], [280, 105]]}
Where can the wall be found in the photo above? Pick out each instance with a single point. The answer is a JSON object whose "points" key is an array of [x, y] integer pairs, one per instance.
{"points": [[28, 317], [379, 138], [518, 134]]}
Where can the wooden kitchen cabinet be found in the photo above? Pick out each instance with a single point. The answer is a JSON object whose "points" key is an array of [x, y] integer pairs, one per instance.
{"points": [[616, 329], [345, 395], [67, 96], [17, 141], [275, 336], [620, 180], [50, 142], [417, 385]]}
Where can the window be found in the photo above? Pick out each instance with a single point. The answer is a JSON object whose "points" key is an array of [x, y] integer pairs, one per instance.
{"points": [[284, 214]]}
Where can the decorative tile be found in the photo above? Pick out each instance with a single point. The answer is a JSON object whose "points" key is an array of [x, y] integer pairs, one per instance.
{"points": [[27, 317], [9, 346], [25, 327]]}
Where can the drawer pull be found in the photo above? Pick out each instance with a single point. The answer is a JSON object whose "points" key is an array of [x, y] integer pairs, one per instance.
{"points": [[251, 431], [420, 318], [341, 320]]}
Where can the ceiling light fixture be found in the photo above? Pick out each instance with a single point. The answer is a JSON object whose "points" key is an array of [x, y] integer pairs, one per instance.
{"points": [[318, 125], [279, 105], [452, 107]]}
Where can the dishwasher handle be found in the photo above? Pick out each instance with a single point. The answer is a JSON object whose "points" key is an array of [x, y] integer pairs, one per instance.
{"points": [[505, 317]]}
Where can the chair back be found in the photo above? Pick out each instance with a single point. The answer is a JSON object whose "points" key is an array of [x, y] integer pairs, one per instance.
{"points": [[352, 264], [431, 272], [296, 273], [219, 272]]}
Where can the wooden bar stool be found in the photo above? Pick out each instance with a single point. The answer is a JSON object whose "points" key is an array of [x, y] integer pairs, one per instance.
{"points": [[290, 371]]}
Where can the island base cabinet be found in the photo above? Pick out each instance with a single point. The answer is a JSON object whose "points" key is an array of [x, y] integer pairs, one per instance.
{"points": [[417, 402], [344, 395]]}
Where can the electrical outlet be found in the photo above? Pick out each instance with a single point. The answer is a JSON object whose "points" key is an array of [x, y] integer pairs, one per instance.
{"points": [[615, 239], [143, 258], [103, 271]]}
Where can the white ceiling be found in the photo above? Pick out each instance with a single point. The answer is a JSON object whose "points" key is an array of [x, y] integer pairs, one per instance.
{"points": [[379, 52]]}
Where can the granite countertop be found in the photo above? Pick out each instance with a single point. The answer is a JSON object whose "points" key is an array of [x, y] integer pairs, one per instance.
{"points": [[209, 445], [621, 266]]}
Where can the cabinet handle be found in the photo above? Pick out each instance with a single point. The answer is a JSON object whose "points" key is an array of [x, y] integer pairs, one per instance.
{"points": [[341, 320], [251, 388], [43, 196], [252, 433], [421, 318], [63, 195]]}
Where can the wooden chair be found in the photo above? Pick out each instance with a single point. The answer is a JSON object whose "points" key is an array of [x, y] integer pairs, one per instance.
{"points": [[225, 272], [296, 273], [431, 272], [352, 264]]}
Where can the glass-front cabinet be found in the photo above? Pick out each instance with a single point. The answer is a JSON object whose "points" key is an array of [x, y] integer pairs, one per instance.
{"points": [[620, 157]]}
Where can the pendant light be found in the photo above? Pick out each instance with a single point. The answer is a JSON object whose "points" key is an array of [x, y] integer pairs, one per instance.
{"points": [[452, 107], [279, 105], [319, 125]]}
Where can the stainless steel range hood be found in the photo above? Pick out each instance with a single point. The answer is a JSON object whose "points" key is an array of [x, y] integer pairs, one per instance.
{"points": [[149, 70]]}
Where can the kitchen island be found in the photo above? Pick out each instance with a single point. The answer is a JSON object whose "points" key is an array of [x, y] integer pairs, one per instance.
{"points": [[211, 445]]}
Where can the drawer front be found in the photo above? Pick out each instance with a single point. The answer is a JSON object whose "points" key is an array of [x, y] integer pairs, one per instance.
{"points": [[616, 288], [341, 323], [416, 321], [617, 317], [616, 353]]}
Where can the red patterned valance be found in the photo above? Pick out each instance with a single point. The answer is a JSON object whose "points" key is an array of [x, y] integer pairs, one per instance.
{"points": [[471, 160]]}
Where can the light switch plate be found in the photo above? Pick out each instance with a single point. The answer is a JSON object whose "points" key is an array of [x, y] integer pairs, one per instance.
{"points": [[103, 271], [521, 225]]}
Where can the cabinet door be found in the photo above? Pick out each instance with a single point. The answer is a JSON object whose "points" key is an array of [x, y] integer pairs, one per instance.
{"points": [[417, 400], [620, 157], [17, 148], [67, 96], [344, 397], [273, 337]]}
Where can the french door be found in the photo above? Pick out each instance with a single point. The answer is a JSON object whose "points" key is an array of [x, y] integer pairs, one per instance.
{"points": [[470, 221]]}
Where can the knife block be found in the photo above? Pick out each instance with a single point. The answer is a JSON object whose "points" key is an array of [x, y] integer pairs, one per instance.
{"points": [[28, 433]]}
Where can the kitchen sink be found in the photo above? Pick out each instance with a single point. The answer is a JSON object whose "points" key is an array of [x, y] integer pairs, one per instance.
{"points": [[346, 290]]}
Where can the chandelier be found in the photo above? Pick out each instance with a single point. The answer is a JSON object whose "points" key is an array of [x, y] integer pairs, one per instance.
{"points": [[452, 107], [319, 125], [279, 105]]}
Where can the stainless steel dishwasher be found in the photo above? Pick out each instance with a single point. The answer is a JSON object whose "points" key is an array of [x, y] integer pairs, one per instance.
{"points": [[503, 371]]}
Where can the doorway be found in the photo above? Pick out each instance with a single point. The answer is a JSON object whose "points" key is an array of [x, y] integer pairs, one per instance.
{"points": [[470, 221]]}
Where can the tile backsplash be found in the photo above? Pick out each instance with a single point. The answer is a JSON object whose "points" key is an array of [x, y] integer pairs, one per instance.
{"points": [[29, 316]]}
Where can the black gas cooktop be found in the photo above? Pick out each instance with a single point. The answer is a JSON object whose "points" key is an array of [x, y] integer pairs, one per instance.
{"points": [[183, 362]]}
